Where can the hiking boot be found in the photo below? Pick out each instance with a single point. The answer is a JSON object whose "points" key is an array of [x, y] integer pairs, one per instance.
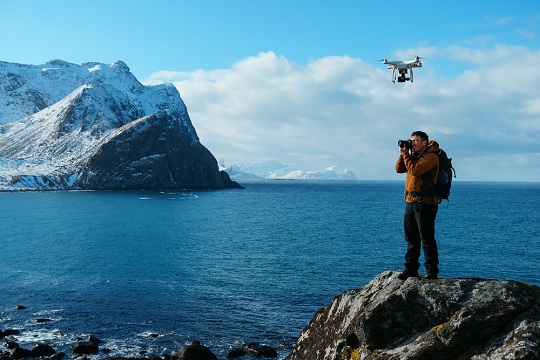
{"points": [[432, 277], [405, 274]]}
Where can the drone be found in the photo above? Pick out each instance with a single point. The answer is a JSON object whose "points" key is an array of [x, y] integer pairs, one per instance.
{"points": [[403, 66]]}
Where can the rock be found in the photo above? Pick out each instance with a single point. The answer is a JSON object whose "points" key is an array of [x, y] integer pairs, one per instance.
{"points": [[20, 353], [43, 320], [93, 339], [260, 350], [425, 319], [8, 332], [10, 345], [42, 350], [234, 353], [195, 351], [58, 356], [86, 348]]}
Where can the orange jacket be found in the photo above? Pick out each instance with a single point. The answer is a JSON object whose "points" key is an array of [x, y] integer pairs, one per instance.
{"points": [[422, 171]]}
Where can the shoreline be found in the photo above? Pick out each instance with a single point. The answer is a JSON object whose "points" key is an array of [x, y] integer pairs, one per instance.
{"points": [[93, 347], [19, 342]]}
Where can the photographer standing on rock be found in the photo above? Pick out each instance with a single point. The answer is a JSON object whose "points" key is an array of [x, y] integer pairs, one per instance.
{"points": [[418, 159]]}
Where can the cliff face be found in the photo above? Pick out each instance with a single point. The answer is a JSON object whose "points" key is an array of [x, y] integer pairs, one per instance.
{"points": [[146, 154], [426, 319], [94, 126]]}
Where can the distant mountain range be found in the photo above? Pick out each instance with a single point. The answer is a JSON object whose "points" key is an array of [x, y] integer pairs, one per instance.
{"points": [[95, 126], [278, 171]]}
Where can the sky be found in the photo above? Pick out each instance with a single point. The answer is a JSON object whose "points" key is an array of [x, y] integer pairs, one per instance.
{"points": [[299, 82]]}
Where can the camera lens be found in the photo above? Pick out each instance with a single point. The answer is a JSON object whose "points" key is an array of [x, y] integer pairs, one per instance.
{"points": [[406, 143]]}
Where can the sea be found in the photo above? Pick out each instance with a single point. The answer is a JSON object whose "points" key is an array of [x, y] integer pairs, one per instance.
{"points": [[149, 272]]}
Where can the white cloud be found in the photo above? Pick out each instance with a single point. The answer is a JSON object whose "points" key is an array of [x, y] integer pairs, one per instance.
{"points": [[344, 111]]}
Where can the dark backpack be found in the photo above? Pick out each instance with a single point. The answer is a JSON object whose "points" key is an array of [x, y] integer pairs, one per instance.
{"points": [[444, 181]]}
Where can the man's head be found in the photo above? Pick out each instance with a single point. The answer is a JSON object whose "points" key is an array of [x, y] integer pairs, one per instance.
{"points": [[419, 141]]}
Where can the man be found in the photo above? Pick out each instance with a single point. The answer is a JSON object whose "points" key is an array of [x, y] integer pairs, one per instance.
{"points": [[418, 159]]}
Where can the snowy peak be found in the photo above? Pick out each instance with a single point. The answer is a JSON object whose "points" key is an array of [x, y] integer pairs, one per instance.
{"points": [[332, 173], [27, 89], [88, 111], [91, 126]]}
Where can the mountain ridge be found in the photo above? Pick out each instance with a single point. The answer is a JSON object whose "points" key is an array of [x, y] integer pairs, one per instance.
{"points": [[277, 171], [74, 115]]}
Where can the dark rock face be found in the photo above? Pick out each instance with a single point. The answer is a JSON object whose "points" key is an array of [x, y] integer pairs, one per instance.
{"points": [[426, 319], [153, 153]]}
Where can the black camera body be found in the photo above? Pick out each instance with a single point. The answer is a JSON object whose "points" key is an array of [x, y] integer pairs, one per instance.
{"points": [[405, 143]]}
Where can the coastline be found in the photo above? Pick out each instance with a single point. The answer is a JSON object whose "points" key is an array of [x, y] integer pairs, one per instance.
{"points": [[91, 345]]}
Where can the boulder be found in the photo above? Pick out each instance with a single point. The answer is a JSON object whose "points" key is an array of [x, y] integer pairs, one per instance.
{"points": [[42, 350], [43, 320], [58, 356], [20, 353], [85, 348], [236, 352], [260, 350], [8, 332], [426, 319], [93, 339], [10, 345], [195, 351]]}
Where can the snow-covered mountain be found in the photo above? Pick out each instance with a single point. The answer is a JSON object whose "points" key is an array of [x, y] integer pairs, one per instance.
{"points": [[95, 126], [278, 171]]}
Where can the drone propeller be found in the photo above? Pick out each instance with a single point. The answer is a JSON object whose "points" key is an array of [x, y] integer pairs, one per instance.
{"points": [[383, 59], [419, 57]]}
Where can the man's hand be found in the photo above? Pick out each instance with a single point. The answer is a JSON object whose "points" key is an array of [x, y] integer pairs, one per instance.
{"points": [[404, 150]]}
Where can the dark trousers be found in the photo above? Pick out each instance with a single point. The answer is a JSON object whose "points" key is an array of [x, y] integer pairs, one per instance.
{"points": [[419, 226]]}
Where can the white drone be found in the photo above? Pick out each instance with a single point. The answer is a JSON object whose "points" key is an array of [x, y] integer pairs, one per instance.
{"points": [[403, 66]]}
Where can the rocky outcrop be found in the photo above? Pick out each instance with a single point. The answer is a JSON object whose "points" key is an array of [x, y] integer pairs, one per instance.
{"points": [[426, 319]]}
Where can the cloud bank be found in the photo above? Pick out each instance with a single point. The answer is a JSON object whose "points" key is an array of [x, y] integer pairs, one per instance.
{"points": [[481, 105]]}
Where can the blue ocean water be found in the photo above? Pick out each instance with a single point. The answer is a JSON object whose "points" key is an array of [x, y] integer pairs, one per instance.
{"points": [[148, 272]]}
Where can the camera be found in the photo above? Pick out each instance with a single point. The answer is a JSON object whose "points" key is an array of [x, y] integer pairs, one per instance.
{"points": [[405, 143]]}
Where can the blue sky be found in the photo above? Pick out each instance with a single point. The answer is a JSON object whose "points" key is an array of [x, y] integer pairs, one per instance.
{"points": [[298, 81]]}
